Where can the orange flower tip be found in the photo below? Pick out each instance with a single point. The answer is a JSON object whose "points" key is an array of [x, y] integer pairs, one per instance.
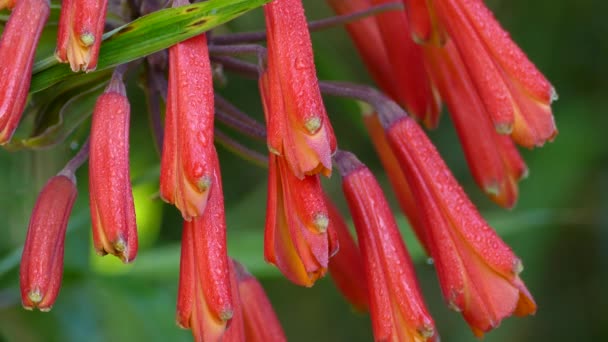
{"points": [[313, 124], [321, 222], [504, 128]]}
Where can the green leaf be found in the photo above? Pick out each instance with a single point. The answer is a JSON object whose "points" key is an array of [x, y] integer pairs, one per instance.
{"points": [[148, 34]]}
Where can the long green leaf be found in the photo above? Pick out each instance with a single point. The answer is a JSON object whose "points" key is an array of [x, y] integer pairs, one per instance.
{"points": [[149, 34]]}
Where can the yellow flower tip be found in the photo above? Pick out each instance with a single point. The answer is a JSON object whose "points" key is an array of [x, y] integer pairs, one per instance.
{"points": [[313, 124], [504, 128], [204, 183], [87, 39], [78, 54], [321, 222], [35, 296]]}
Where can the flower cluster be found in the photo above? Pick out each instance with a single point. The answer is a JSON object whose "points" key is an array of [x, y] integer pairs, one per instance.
{"points": [[420, 53]]}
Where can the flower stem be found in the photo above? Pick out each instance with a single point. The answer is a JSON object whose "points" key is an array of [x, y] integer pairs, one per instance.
{"points": [[233, 117], [242, 151], [70, 168]]}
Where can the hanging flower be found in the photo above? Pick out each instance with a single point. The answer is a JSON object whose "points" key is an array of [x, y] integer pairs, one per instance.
{"points": [[17, 49], [298, 127], [478, 272], [396, 306], [204, 299], [186, 166], [296, 238], [111, 195], [80, 32], [41, 265]]}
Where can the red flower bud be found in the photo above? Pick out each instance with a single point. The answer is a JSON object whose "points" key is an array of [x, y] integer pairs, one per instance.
{"points": [[478, 272], [298, 127], [111, 195], [260, 321], [396, 305], [80, 33], [346, 267], [42, 259], [186, 167], [17, 50], [204, 299], [296, 238]]}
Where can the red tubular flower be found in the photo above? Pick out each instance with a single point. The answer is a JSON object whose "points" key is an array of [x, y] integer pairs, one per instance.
{"points": [[111, 196], [397, 309], [478, 272], [296, 238], [493, 159], [204, 299], [346, 267], [515, 94], [17, 49], [42, 259], [298, 126], [80, 33], [399, 183], [186, 166], [260, 321]]}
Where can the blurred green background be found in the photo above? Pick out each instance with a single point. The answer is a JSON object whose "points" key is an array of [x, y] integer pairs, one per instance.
{"points": [[559, 227]]}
